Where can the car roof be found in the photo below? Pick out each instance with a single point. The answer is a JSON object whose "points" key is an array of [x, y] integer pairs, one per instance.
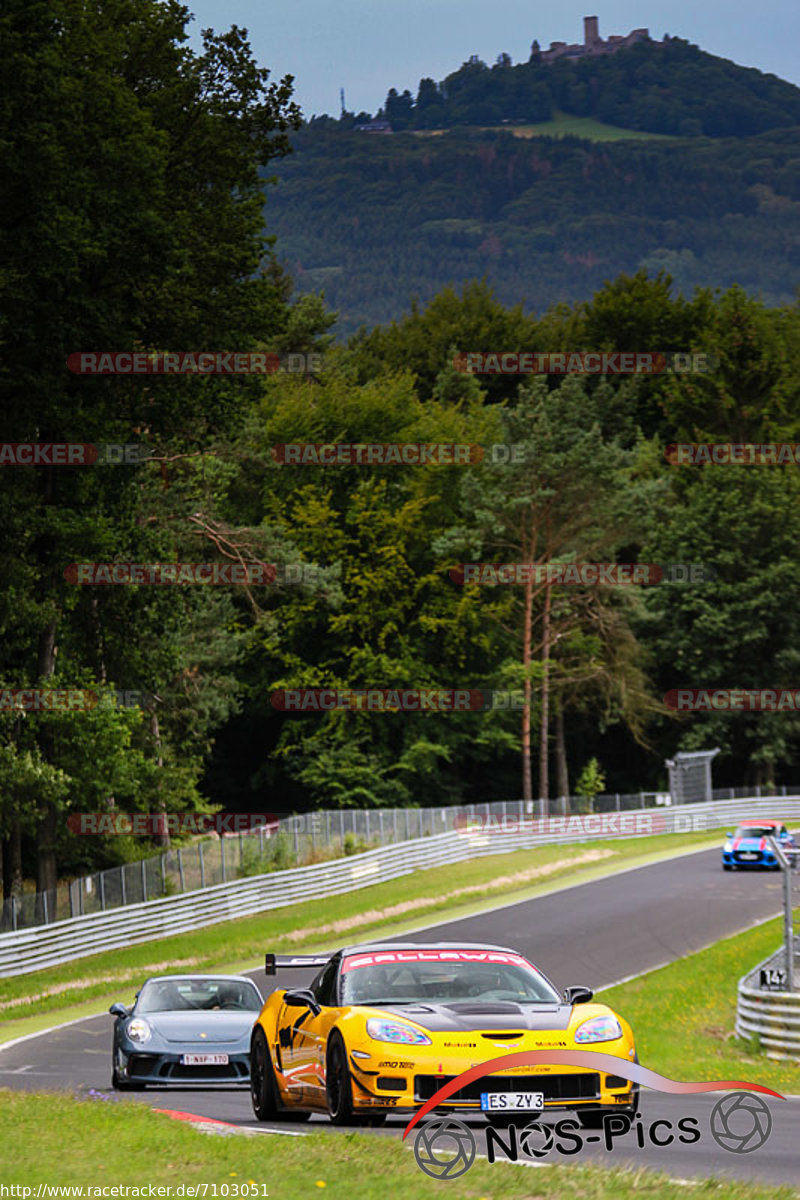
{"points": [[372, 947], [762, 821], [198, 975]]}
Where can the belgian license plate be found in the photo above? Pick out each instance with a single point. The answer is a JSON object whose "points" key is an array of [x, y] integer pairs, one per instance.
{"points": [[204, 1060], [748, 855], [512, 1101]]}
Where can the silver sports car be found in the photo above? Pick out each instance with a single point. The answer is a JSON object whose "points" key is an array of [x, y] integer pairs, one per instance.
{"points": [[185, 1030]]}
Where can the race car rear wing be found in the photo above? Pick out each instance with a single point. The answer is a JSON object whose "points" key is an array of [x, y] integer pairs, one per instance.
{"points": [[273, 961]]}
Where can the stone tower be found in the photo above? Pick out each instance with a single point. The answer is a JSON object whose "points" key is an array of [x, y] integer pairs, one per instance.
{"points": [[590, 34]]}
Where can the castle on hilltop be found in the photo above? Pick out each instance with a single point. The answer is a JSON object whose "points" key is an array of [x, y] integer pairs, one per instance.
{"points": [[593, 44]]}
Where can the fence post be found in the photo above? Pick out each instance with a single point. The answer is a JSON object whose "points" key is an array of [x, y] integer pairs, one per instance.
{"points": [[222, 860], [102, 889], [394, 824], [296, 841], [616, 799], [380, 825], [144, 880], [164, 874], [44, 907], [122, 887], [203, 862], [71, 900], [366, 824], [180, 869]]}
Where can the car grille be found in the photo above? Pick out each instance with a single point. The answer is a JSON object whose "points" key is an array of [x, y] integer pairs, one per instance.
{"points": [[142, 1066], [216, 1071], [747, 856], [554, 1087]]}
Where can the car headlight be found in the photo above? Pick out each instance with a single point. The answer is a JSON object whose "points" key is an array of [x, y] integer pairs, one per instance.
{"points": [[728, 847], [599, 1029], [138, 1030], [395, 1031]]}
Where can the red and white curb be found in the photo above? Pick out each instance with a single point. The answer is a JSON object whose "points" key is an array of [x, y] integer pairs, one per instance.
{"points": [[221, 1128]]}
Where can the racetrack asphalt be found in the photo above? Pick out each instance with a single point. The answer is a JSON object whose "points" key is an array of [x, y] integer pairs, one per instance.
{"points": [[596, 933]]}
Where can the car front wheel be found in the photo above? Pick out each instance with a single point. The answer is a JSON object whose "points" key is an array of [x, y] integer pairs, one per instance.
{"points": [[264, 1085], [338, 1084], [124, 1085]]}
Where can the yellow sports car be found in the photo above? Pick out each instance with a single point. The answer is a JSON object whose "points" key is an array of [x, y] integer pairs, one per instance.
{"points": [[383, 1027]]}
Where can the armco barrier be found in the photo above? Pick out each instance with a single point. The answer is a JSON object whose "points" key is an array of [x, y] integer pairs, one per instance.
{"points": [[48, 945], [771, 1016]]}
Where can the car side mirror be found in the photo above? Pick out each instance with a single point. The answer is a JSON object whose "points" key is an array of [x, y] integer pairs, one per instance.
{"points": [[301, 998], [119, 1010], [578, 994]]}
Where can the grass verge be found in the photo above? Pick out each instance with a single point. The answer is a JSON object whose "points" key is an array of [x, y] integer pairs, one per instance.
{"points": [[26, 1001], [683, 1015], [46, 1139]]}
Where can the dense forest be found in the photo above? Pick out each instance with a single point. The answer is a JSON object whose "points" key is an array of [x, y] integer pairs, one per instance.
{"points": [[374, 221], [158, 244]]}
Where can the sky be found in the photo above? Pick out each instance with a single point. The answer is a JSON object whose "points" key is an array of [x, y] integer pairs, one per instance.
{"points": [[368, 46]]}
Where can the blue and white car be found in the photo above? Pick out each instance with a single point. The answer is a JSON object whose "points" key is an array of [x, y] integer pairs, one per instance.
{"points": [[185, 1030], [748, 845]]}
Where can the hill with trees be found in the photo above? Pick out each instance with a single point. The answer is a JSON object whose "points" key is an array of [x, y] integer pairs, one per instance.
{"points": [[669, 87], [373, 221]]}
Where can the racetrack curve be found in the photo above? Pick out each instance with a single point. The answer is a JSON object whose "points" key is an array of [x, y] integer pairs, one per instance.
{"points": [[595, 933]]}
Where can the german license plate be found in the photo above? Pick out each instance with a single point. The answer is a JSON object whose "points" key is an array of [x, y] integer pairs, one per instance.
{"points": [[204, 1060], [512, 1101], [748, 855]]}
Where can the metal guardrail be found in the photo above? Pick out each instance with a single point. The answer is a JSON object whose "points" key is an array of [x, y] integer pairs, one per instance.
{"points": [[49, 945], [203, 863], [770, 1017]]}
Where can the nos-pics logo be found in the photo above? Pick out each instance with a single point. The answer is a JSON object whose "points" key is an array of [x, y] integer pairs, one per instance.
{"points": [[445, 1147]]}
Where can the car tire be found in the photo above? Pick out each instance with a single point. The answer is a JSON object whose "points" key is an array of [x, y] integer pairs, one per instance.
{"points": [[727, 867], [124, 1085], [338, 1084], [264, 1085]]}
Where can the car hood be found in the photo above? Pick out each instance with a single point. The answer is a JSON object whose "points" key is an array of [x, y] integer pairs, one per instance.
{"points": [[204, 1028], [473, 1016], [750, 843]]}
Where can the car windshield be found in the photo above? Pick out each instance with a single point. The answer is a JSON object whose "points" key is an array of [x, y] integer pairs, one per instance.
{"points": [[756, 831], [208, 995], [409, 979]]}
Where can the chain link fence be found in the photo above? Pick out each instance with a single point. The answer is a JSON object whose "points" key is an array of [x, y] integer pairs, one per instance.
{"points": [[295, 841]]}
